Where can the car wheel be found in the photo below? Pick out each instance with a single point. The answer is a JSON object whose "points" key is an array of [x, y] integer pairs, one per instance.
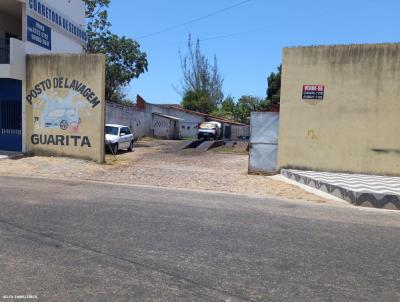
{"points": [[130, 146]]}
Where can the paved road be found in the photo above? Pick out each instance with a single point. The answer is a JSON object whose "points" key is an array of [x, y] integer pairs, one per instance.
{"points": [[79, 241]]}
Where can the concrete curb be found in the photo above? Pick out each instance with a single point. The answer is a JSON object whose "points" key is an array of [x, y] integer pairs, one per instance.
{"points": [[322, 194], [365, 199]]}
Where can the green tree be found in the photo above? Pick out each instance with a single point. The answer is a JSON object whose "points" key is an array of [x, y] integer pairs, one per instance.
{"points": [[124, 59], [227, 108], [124, 62], [228, 104], [97, 23], [247, 104], [200, 75], [198, 100], [274, 87]]}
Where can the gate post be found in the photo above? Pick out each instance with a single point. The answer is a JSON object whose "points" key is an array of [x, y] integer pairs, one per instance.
{"points": [[264, 131]]}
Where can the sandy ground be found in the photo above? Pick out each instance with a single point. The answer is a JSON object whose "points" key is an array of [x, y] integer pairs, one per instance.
{"points": [[162, 163]]}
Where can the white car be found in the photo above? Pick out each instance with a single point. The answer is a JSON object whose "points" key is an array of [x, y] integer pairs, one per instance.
{"points": [[118, 137], [209, 130]]}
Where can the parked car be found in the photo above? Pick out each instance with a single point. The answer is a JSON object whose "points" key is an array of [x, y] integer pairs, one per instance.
{"points": [[209, 130], [118, 137]]}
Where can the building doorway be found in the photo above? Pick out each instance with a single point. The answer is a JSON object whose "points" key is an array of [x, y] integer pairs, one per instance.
{"points": [[227, 132], [10, 115]]}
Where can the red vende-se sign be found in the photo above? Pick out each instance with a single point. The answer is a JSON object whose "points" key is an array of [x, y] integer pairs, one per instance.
{"points": [[313, 92]]}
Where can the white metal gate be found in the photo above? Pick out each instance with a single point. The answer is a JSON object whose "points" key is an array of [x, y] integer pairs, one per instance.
{"points": [[264, 133]]}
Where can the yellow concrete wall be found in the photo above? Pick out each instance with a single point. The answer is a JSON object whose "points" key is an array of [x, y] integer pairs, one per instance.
{"points": [[356, 128], [65, 119]]}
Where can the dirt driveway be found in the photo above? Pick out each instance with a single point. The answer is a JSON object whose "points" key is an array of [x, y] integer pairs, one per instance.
{"points": [[162, 163]]}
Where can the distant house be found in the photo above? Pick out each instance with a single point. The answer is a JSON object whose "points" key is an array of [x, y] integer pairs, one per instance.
{"points": [[169, 121], [189, 120], [165, 126]]}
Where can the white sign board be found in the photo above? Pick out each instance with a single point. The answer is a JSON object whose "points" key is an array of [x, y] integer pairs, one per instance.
{"points": [[41, 11]]}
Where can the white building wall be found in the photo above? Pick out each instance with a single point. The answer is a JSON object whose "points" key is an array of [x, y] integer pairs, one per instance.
{"points": [[17, 60], [61, 43], [188, 129], [73, 9]]}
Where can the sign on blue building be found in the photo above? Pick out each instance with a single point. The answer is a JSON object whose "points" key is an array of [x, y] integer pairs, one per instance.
{"points": [[39, 33], [41, 10]]}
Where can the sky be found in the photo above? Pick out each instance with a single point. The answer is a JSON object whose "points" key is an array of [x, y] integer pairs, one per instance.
{"points": [[246, 36]]}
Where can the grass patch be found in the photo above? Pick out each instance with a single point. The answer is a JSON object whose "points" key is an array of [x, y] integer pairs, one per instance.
{"points": [[227, 150], [188, 138], [147, 139]]}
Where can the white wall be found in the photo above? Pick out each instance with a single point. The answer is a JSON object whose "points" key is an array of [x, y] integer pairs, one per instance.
{"points": [[188, 129], [73, 9], [127, 115], [17, 59], [16, 68]]}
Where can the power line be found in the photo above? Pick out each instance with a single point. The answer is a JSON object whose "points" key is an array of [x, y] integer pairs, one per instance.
{"points": [[265, 27], [235, 34], [220, 37], [193, 20]]}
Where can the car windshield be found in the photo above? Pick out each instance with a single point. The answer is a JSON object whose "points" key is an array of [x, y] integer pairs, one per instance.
{"points": [[111, 130], [207, 126]]}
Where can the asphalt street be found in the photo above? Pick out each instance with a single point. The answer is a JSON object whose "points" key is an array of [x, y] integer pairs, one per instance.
{"points": [[82, 241]]}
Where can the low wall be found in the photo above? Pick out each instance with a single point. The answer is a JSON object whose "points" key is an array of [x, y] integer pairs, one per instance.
{"points": [[65, 105], [239, 131], [128, 116]]}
